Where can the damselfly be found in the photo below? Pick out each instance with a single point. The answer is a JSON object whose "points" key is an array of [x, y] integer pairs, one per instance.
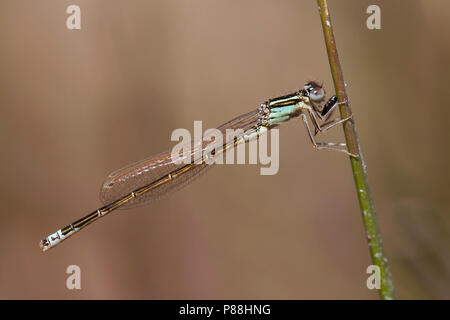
{"points": [[149, 179]]}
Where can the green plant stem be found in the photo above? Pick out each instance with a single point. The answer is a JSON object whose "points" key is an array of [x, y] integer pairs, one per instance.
{"points": [[358, 166]]}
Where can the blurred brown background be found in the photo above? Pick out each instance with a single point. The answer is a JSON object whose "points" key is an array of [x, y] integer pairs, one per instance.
{"points": [[76, 105]]}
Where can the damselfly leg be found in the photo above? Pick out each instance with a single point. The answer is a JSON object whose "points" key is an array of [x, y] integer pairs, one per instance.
{"points": [[318, 114]]}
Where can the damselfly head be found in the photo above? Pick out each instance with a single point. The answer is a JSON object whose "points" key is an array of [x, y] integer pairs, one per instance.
{"points": [[315, 91]]}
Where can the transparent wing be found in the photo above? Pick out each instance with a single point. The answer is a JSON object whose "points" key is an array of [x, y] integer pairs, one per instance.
{"points": [[142, 173]]}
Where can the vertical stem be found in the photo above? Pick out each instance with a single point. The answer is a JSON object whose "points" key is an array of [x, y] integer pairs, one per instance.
{"points": [[358, 165]]}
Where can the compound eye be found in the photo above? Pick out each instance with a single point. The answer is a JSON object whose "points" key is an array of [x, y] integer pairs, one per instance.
{"points": [[317, 94]]}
